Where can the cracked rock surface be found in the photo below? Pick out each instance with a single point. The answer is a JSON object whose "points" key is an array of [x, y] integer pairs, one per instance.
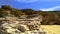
{"points": [[14, 25]]}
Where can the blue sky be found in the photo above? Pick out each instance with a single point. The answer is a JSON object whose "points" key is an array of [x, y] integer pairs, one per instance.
{"points": [[33, 4]]}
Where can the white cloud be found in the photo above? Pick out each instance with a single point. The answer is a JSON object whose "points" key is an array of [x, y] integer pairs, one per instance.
{"points": [[50, 0], [26, 1], [51, 9]]}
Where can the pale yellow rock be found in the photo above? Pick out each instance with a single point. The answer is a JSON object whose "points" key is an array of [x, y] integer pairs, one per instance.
{"points": [[10, 30]]}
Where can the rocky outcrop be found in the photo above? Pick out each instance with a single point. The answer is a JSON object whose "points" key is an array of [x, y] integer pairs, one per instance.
{"points": [[14, 25]]}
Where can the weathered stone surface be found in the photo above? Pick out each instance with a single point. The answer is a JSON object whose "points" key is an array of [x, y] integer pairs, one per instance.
{"points": [[13, 25]]}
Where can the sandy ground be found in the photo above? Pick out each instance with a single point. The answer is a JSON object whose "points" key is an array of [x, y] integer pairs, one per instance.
{"points": [[51, 29]]}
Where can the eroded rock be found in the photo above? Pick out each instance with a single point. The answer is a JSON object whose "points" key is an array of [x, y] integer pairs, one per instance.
{"points": [[13, 25]]}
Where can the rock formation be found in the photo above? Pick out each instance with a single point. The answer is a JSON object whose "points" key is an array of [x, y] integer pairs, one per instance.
{"points": [[14, 25], [25, 21]]}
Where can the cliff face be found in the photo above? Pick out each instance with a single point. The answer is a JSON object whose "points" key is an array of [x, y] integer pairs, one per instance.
{"points": [[14, 25], [13, 21]]}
